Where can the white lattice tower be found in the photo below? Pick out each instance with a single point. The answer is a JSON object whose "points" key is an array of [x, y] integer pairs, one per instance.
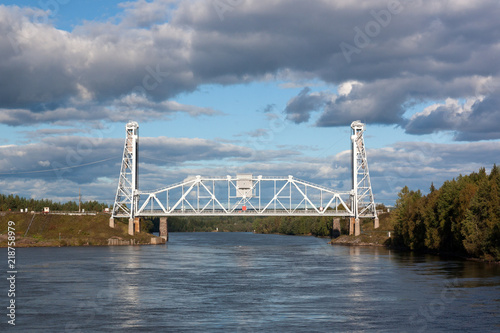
{"points": [[364, 203], [126, 198]]}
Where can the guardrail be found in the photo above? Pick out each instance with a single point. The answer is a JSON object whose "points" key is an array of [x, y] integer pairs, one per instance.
{"points": [[60, 212]]}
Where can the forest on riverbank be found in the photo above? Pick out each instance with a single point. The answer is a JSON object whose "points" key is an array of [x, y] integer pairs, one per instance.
{"points": [[462, 217], [15, 203], [35, 230], [287, 225]]}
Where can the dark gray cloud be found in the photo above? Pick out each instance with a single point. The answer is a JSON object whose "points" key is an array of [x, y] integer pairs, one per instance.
{"points": [[41, 133], [378, 102], [299, 108], [56, 165], [134, 106], [476, 119], [179, 150], [269, 108], [93, 163], [421, 51], [385, 101], [72, 154], [260, 132], [418, 164], [413, 52], [49, 74]]}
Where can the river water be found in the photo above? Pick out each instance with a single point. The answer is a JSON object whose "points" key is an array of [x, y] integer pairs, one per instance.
{"points": [[244, 282]]}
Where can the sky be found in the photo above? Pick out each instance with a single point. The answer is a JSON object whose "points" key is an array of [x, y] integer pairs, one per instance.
{"points": [[221, 87]]}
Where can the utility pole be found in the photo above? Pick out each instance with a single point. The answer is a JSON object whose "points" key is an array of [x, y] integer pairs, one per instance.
{"points": [[80, 200]]}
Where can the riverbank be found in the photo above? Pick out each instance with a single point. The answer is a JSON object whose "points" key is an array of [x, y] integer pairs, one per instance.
{"points": [[380, 237], [50, 230], [369, 235], [362, 240]]}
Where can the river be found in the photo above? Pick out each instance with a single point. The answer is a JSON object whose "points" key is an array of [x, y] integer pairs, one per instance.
{"points": [[244, 282]]}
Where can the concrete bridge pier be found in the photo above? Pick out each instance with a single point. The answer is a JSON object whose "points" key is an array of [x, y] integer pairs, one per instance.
{"points": [[336, 228], [134, 225], [357, 227], [137, 224], [351, 226], [111, 222], [164, 228], [376, 223], [131, 226]]}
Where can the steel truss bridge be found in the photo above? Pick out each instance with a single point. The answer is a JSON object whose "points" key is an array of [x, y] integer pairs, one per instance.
{"points": [[243, 194]]}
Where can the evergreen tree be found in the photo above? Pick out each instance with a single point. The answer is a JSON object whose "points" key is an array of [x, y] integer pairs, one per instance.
{"points": [[463, 216]]}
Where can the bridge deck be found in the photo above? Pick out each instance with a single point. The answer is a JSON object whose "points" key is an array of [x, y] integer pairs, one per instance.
{"points": [[310, 213]]}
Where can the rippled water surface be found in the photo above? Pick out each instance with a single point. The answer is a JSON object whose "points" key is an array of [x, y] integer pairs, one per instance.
{"points": [[241, 282]]}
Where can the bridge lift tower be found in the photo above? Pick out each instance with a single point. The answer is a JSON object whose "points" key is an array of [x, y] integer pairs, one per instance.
{"points": [[126, 198], [363, 200], [245, 194]]}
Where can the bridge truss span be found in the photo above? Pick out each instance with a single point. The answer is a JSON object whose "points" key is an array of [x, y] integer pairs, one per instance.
{"points": [[244, 194]]}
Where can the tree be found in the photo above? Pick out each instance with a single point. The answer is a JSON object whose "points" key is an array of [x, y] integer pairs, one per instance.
{"points": [[462, 217]]}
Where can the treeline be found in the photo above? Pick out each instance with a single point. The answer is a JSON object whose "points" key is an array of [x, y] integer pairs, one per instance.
{"points": [[208, 223], [461, 217], [305, 225], [16, 203], [302, 225]]}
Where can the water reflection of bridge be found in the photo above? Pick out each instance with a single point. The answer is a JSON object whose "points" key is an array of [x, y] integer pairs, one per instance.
{"points": [[243, 194]]}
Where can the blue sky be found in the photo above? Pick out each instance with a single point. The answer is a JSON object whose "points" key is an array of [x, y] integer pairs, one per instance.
{"points": [[66, 14], [260, 87]]}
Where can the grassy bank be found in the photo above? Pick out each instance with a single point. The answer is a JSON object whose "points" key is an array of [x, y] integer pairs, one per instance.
{"points": [[369, 235], [65, 230]]}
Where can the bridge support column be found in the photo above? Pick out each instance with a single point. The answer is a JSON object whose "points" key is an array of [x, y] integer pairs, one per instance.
{"points": [[351, 226], [131, 226], [137, 224], [376, 223], [111, 222], [164, 228], [357, 227], [336, 228]]}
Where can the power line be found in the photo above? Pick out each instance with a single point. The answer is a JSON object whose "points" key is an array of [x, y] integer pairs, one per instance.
{"points": [[154, 159], [56, 169]]}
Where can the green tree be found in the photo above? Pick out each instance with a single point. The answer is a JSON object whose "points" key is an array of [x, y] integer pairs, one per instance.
{"points": [[462, 216], [409, 227]]}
